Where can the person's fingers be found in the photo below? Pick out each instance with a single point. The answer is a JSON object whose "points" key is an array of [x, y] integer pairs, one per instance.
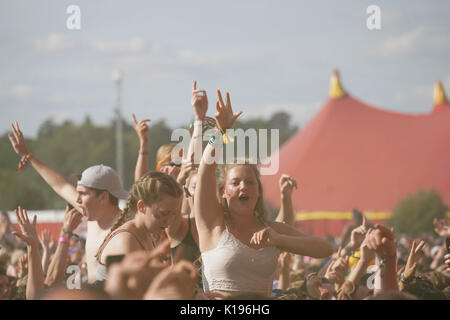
{"points": [[228, 100], [330, 267], [19, 235], [19, 220], [364, 223], [194, 85], [218, 108], [34, 220], [199, 91], [237, 114], [12, 139], [413, 247], [219, 95], [419, 247], [134, 119], [143, 122], [25, 215], [339, 251], [15, 133], [252, 240]]}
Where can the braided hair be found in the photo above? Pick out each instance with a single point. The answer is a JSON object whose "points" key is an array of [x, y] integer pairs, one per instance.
{"points": [[149, 188]]}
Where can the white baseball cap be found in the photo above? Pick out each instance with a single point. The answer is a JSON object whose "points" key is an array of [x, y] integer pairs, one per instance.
{"points": [[103, 178]]}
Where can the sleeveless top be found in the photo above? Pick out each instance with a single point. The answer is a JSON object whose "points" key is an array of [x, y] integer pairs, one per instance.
{"points": [[191, 252], [234, 266], [101, 268]]}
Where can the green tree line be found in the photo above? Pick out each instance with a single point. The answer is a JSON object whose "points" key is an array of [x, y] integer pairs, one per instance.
{"points": [[70, 148]]}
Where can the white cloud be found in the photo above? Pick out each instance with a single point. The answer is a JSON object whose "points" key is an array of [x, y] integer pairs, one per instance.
{"points": [[22, 91], [133, 45], [402, 44], [54, 42], [418, 40]]}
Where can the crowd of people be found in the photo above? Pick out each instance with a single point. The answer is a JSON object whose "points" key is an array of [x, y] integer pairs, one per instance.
{"points": [[201, 231]]}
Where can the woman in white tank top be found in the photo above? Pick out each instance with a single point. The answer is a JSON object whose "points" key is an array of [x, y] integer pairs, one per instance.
{"points": [[239, 247]]}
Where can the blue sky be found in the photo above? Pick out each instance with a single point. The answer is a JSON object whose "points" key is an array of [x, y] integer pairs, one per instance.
{"points": [[270, 55]]}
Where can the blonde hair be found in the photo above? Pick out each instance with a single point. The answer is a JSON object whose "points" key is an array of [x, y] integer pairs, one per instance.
{"points": [[164, 154], [260, 210], [149, 188]]}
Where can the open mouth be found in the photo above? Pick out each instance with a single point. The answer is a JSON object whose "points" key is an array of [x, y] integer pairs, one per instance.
{"points": [[243, 197]]}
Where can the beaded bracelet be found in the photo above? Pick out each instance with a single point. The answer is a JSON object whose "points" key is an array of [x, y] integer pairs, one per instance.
{"points": [[24, 161]]}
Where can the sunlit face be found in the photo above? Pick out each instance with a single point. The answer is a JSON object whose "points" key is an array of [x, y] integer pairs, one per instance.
{"points": [[89, 203], [319, 288], [160, 214], [241, 189]]}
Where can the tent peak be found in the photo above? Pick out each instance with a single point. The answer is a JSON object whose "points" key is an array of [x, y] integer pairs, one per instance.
{"points": [[439, 94], [336, 89]]}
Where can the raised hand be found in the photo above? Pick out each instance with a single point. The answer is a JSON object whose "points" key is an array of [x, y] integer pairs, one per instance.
{"points": [[141, 128], [23, 266], [17, 140], [358, 234], [441, 227], [45, 239], [224, 115], [287, 185], [176, 283], [337, 270], [131, 278], [187, 165], [285, 259], [265, 237], [28, 230], [72, 219], [199, 101], [411, 264], [366, 254], [382, 241]]}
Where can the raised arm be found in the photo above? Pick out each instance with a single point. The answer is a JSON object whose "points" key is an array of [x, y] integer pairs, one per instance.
{"points": [[57, 268], [286, 213], [208, 213], [142, 166], [191, 159], [288, 238], [411, 264], [348, 289], [35, 282], [45, 239], [382, 241], [56, 181]]}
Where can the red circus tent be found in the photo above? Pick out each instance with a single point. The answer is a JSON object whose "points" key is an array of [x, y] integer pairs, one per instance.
{"points": [[353, 155]]}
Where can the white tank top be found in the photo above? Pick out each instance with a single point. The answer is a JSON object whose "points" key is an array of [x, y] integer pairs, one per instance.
{"points": [[234, 266]]}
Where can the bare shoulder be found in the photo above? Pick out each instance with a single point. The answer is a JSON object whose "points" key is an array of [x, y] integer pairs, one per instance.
{"points": [[284, 228], [121, 243]]}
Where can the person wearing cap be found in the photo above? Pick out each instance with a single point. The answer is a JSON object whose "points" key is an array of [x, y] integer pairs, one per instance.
{"points": [[96, 195]]}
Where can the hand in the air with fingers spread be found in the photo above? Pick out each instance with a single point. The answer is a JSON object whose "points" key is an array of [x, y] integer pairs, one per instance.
{"points": [[224, 115]]}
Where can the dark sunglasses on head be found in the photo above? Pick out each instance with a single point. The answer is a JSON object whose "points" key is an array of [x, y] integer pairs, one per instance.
{"points": [[174, 164]]}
